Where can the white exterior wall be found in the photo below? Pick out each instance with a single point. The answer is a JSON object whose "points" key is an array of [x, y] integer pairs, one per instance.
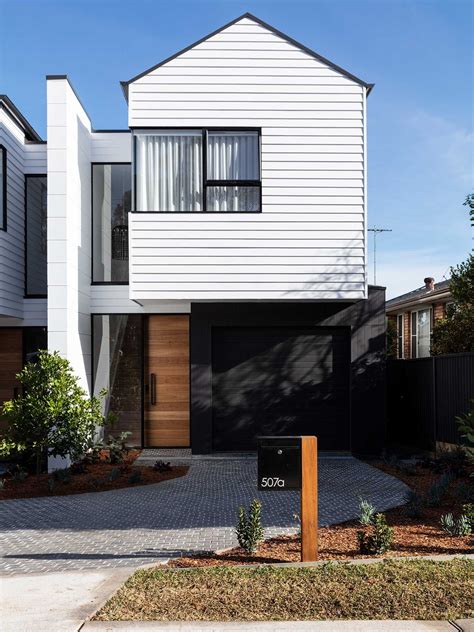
{"points": [[309, 241], [69, 240], [12, 240]]}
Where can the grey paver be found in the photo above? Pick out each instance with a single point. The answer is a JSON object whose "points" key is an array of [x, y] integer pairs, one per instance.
{"points": [[135, 526]]}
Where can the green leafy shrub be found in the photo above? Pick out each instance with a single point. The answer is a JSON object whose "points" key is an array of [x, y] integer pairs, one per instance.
{"points": [[114, 474], [468, 510], [53, 415], [377, 538], [135, 477], [466, 428], [249, 528], [3, 482], [366, 512], [18, 473], [456, 526], [117, 447], [465, 492], [162, 466]]}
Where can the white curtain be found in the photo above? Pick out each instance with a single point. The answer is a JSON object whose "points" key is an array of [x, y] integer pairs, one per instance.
{"points": [[169, 171], [232, 156]]}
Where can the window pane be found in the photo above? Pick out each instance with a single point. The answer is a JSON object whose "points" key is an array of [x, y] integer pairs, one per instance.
{"points": [[232, 156], [169, 171], [117, 349], [400, 336], [111, 200], [424, 331], [36, 238], [233, 199]]}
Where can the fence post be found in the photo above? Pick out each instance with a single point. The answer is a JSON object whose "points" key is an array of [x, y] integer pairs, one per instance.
{"points": [[435, 406]]}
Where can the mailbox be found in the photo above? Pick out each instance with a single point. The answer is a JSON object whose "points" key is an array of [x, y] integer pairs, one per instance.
{"points": [[279, 463]]}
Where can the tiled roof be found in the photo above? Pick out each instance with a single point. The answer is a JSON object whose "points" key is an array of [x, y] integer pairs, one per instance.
{"points": [[418, 293]]}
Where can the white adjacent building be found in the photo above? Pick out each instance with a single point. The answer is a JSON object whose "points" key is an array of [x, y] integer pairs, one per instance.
{"points": [[208, 264]]}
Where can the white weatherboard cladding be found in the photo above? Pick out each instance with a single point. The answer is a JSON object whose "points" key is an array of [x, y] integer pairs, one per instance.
{"points": [[309, 241], [12, 240]]}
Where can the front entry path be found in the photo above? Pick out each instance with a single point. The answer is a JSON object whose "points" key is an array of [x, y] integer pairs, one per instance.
{"points": [[135, 526]]}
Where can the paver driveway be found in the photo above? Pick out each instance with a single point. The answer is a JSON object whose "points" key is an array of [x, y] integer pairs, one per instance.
{"points": [[134, 526]]}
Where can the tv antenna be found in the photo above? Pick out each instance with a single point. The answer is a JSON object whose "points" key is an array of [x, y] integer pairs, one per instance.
{"points": [[376, 230]]}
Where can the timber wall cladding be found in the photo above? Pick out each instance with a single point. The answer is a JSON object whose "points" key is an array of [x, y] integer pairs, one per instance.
{"points": [[11, 363], [167, 358]]}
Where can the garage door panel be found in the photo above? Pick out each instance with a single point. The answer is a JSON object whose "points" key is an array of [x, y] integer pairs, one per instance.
{"points": [[280, 381]]}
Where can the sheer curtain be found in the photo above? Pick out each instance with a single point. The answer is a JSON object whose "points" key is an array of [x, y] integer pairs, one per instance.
{"points": [[169, 171], [232, 156]]}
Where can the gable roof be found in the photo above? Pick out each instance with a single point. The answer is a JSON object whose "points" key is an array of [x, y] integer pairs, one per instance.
{"points": [[20, 121], [249, 16], [415, 295]]}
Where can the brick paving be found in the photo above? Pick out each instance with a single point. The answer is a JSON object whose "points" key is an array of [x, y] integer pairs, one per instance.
{"points": [[134, 526]]}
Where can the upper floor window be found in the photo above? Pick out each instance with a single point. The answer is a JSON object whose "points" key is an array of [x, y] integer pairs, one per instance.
{"points": [[36, 261], [198, 170], [420, 333], [3, 188], [111, 203]]}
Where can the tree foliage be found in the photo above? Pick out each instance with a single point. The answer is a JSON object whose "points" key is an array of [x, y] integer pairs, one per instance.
{"points": [[470, 204], [455, 333], [53, 415]]}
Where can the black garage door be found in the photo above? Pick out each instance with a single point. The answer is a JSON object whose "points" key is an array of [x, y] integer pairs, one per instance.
{"points": [[280, 381]]}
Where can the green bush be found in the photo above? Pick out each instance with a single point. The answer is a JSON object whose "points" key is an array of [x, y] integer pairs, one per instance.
{"points": [[366, 512], [456, 526], [377, 538], [135, 477], [53, 415], [249, 528], [468, 510]]}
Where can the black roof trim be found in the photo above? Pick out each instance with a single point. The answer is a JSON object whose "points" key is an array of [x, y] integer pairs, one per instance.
{"points": [[112, 131], [17, 117], [304, 48]]}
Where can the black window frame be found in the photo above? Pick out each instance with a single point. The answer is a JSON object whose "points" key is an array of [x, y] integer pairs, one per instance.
{"points": [[3, 176], [25, 253], [132, 183], [205, 182]]}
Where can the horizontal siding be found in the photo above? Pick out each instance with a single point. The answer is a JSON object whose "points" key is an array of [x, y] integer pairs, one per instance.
{"points": [[115, 299], [35, 158], [309, 241], [12, 241], [111, 147]]}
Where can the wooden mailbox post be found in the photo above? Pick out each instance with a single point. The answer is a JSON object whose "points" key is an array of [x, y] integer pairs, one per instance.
{"points": [[292, 463]]}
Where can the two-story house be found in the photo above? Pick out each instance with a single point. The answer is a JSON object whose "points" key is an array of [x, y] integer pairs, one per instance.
{"points": [[208, 264]]}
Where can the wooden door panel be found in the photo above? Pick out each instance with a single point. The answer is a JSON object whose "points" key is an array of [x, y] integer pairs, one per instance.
{"points": [[11, 363], [167, 358]]}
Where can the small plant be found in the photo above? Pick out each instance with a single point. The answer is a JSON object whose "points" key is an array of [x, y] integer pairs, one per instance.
{"points": [[437, 491], [162, 466], [62, 475], [95, 482], [377, 538], [456, 526], [297, 519], [135, 477], [366, 512], [407, 468], [93, 454], [117, 447], [18, 473], [466, 428], [249, 528], [79, 467], [468, 510], [51, 484], [414, 504], [3, 482], [114, 474], [465, 492]]}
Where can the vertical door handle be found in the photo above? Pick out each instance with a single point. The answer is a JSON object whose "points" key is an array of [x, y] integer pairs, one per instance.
{"points": [[152, 389]]}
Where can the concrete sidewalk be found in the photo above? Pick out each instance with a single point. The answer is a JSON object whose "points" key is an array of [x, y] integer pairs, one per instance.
{"points": [[282, 626], [55, 602]]}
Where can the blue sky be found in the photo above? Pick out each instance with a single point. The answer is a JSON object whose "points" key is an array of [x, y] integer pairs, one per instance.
{"points": [[418, 53]]}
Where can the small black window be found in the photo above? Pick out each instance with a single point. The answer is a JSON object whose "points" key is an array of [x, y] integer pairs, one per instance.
{"points": [[36, 258], [3, 187]]}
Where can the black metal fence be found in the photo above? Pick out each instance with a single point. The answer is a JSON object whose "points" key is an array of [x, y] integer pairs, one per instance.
{"points": [[425, 396]]}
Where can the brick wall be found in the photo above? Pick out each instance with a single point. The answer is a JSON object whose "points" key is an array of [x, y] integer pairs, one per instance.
{"points": [[439, 311]]}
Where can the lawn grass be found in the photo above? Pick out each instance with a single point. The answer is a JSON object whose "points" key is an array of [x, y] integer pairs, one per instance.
{"points": [[418, 589]]}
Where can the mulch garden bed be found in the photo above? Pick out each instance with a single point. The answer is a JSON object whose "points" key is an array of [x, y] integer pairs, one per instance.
{"points": [[412, 536], [96, 477]]}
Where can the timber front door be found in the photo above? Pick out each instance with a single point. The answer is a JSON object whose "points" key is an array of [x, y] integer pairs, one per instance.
{"points": [[167, 381]]}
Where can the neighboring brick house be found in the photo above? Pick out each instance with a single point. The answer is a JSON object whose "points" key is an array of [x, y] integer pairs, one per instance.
{"points": [[414, 314]]}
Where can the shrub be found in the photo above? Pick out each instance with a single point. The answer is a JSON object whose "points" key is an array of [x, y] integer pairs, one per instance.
{"points": [[466, 428], [62, 475], [18, 473], [117, 447], [366, 512], [3, 482], [51, 484], [456, 526], [414, 504], [377, 538], [437, 491], [249, 528], [162, 466], [114, 474], [95, 482], [468, 510], [135, 477], [53, 415]]}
